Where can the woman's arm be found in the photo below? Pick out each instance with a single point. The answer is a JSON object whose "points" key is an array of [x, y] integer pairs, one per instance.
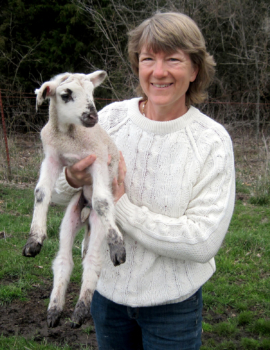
{"points": [[74, 177], [198, 234], [63, 192], [71, 180]]}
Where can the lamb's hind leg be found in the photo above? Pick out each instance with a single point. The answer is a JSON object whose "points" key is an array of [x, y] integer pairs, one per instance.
{"points": [[102, 203], [63, 263], [85, 242], [85, 213], [92, 264]]}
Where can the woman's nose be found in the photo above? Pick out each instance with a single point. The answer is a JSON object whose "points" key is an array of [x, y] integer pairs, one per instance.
{"points": [[160, 69]]}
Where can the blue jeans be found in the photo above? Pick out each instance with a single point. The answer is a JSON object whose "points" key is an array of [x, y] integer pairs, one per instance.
{"points": [[165, 327]]}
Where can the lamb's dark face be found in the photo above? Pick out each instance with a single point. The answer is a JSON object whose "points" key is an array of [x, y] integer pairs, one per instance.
{"points": [[75, 102]]}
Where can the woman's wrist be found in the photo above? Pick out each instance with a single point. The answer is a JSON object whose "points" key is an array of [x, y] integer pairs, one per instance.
{"points": [[70, 180]]}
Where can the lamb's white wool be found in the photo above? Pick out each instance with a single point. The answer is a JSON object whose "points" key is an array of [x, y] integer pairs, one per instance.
{"points": [[71, 134]]}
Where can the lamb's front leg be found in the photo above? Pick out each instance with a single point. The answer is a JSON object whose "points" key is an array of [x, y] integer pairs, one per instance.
{"points": [[49, 173], [63, 263], [102, 203], [92, 265]]}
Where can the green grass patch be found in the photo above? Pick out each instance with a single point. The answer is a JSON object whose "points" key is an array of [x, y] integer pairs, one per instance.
{"points": [[261, 191], [249, 344], [20, 343], [245, 318], [262, 327], [225, 329], [12, 291], [239, 290], [88, 330], [242, 188], [18, 273]]}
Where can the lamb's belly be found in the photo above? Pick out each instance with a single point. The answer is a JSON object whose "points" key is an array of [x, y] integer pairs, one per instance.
{"points": [[69, 159]]}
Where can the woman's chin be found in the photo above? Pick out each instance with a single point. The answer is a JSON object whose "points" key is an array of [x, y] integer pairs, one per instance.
{"points": [[164, 101]]}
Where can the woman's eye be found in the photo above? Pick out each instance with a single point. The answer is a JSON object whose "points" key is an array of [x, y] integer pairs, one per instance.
{"points": [[142, 59]]}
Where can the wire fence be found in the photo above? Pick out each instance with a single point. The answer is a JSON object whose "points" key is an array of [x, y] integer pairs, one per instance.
{"points": [[20, 112], [19, 116]]}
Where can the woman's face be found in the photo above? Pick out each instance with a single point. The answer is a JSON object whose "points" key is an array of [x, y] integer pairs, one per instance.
{"points": [[165, 78]]}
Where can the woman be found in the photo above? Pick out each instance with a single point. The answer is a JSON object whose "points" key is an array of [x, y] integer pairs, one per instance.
{"points": [[174, 195]]}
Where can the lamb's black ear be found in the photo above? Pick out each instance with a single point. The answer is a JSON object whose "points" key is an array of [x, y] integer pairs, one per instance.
{"points": [[97, 77], [45, 91]]}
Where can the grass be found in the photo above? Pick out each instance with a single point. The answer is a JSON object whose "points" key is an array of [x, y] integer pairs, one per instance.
{"points": [[25, 154], [239, 290], [88, 330], [19, 343], [16, 206]]}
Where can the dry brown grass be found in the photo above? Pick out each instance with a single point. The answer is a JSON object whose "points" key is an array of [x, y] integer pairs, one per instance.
{"points": [[251, 162], [251, 159], [25, 151]]}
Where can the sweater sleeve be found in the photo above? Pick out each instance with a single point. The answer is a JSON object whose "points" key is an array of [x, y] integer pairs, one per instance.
{"points": [[198, 234], [63, 192]]}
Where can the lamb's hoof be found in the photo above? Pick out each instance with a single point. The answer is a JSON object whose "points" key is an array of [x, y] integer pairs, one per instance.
{"points": [[117, 253], [53, 317], [80, 313], [32, 248]]}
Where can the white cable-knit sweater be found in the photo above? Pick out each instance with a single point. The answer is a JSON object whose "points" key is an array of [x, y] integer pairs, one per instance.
{"points": [[180, 190]]}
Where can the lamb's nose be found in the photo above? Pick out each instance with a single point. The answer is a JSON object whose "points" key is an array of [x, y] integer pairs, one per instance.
{"points": [[89, 118], [93, 112]]}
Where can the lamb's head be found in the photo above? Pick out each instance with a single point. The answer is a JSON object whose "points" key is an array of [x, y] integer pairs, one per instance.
{"points": [[72, 96]]}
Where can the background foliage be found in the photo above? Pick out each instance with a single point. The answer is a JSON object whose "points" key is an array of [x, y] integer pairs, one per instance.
{"points": [[41, 39]]}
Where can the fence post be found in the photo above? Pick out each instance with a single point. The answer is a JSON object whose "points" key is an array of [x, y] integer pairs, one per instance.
{"points": [[5, 137]]}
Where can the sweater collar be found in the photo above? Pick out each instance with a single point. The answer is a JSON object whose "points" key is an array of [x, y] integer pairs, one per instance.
{"points": [[157, 127]]}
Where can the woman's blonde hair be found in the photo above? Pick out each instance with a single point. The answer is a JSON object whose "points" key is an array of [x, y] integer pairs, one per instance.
{"points": [[169, 32]]}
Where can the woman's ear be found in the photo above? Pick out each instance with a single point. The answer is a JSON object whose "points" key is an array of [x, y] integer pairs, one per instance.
{"points": [[194, 72]]}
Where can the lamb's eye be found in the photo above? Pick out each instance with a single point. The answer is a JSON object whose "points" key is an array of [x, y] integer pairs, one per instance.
{"points": [[67, 95]]}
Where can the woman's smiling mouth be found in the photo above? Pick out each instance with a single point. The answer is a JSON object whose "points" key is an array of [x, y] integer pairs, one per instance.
{"points": [[161, 85]]}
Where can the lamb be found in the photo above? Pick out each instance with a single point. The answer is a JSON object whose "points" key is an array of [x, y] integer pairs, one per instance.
{"points": [[71, 134]]}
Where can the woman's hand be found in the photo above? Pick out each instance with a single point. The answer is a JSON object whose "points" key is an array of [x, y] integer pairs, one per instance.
{"points": [[77, 176], [118, 184]]}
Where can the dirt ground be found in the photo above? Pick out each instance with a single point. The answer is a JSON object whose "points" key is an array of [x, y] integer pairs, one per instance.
{"points": [[29, 320]]}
